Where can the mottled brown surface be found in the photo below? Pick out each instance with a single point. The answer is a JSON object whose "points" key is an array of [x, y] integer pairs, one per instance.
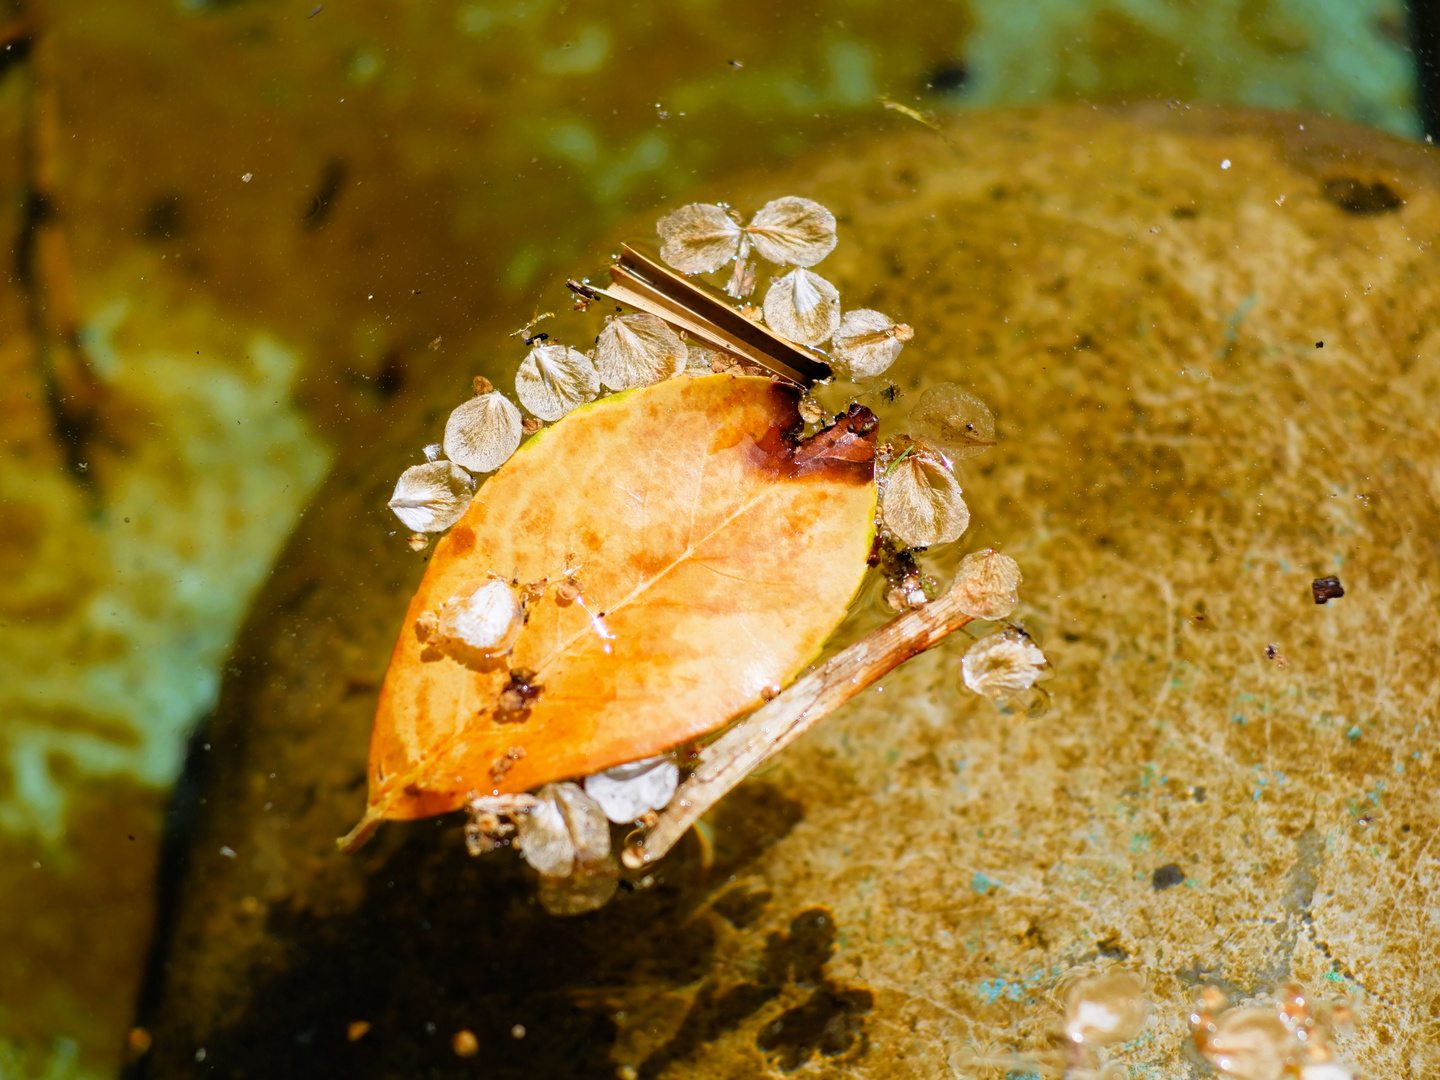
{"points": [[1178, 460], [718, 564]]}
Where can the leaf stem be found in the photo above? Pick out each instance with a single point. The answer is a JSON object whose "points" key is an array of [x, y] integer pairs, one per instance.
{"points": [[807, 701]]}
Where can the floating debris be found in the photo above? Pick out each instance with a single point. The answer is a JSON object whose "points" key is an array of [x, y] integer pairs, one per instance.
{"points": [[1106, 1009], [986, 582], [803, 307], [482, 433], [637, 350], [1003, 665], [922, 503], [703, 237], [477, 626], [867, 343], [953, 421], [1326, 589], [433, 496], [554, 379], [627, 791], [792, 231]]}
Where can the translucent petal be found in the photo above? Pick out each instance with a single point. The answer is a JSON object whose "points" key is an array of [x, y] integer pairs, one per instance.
{"points": [[568, 827], [481, 624], [553, 379], [803, 307], [952, 421], [1002, 665], [483, 433], [921, 503], [985, 584], [867, 343], [698, 238], [793, 231], [433, 496], [1252, 1043], [698, 359], [588, 888], [637, 350], [1105, 1009], [627, 791]]}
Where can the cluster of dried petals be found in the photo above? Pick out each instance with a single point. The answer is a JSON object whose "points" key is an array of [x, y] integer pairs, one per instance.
{"points": [[1106, 1009], [554, 379], [628, 791], [985, 585], [955, 422], [867, 343], [790, 231], [1003, 665], [477, 626], [803, 307], [482, 433], [433, 496], [637, 350], [921, 503]]}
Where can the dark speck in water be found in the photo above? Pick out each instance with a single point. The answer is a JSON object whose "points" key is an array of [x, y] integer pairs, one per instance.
{"points": [[1167, 876], [1326, 588], [1359, 198], [947, 78]]}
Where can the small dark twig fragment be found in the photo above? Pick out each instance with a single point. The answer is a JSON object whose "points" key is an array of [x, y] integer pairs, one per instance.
{"points": [[1326, 588]]}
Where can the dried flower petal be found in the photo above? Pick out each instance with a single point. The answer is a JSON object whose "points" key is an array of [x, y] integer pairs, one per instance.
{"points": [[566, 829], [1002, 665], [867, 343], [433, 496], [698, 238], [1105, 1009], [952, 421], [479, 625], [637, 350], [627, 791], [803, 307], [483, 433], [921, 503], [985, 584], [699, 360], [553, 379], [792, 231], [1251, 1044]]}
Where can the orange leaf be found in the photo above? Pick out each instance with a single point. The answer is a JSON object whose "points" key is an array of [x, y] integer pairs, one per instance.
{"points": [[715, 562]]}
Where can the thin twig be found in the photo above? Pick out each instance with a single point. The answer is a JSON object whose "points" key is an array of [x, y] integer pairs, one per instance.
{"points": [[775, 725]]}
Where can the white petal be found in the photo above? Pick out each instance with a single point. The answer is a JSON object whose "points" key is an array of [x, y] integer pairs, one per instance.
{"points": [[480, 624], [922, 503], [433, 496], [956, 423], [637, 350], [483, 433], [1002, 665], [554, 379], [867, 343], [985, 584], [793, 231], [627, 791], [567, 828], [803, 307], [698, 238]]}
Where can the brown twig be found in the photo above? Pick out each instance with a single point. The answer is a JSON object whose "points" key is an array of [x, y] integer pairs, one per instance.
{"points": [[775, 725]]}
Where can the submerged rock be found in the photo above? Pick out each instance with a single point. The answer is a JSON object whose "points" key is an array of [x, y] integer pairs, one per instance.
{"points": [[904, 892]]}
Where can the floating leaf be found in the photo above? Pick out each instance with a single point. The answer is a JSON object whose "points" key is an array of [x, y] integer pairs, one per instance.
{"points": [[922, 504], [867, 343], [431, 497], [553, 379], [1002, 665], [803, 307], [713, 565], [627, 791], [699, 238], [637, 350], [792, 231], [956, 423], [483, 433]]}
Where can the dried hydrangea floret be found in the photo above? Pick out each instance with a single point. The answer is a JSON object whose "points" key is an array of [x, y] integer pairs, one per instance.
{"points": [[867, 343], [1003, 665], [637, 350], [554, 379], [1105, 1009], [433, 496], [985, 584], [627, 791], [955, 422], [803, 307], [482, 433], [477, 626], [922, 504], [703, 237]]}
